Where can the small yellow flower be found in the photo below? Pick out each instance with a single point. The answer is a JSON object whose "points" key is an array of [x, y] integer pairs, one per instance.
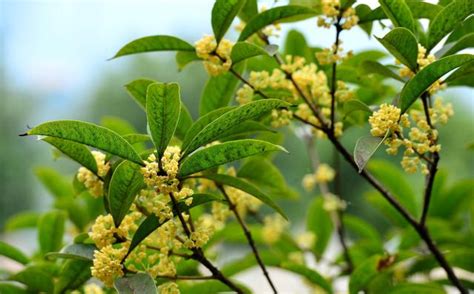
{"points": [[107, 264], [216, 58], [168, 288], [93, 184], [273, 227], [385, 119]]}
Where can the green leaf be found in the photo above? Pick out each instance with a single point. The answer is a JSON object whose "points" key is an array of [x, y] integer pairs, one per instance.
{"points": [[244, 129], [428, 75], [448, 203], [462, 29], [77, 152], [402, 44], [365, 148], [223, 13], [163, 104], [219, 126], [75, 251], [399, 13], [88, 134], [274, 15], [361, 228], [54, 182], [136, 138], [38, 278], [353, 105], [137, 90], [184, 123], [466, 41], [51, 231], [319, 222], [412, 288], [11, 288], [74, 273], [126, 182], [118, 125], [311, 275], [418, 9], [249, 10], [216, 155], [362, 11], [296, 45], [269, 259], [135, 283], [184, 58], [245, 186], [244, 50], [201, 123], [22, 220], [463, 76], [154, 43], [13, 253], [210, 287], [447, 20], [370, 67], [363, 274], [218, 91]]}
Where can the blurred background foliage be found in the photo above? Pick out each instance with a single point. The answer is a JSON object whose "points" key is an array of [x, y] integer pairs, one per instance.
{"points": [[65, 75]]}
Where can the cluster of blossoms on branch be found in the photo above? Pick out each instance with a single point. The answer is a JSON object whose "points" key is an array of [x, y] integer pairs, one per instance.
{"points": [[331, 10]]}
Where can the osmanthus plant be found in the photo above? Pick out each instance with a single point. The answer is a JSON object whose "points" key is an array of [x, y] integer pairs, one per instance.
{"points": [[149, 219]]}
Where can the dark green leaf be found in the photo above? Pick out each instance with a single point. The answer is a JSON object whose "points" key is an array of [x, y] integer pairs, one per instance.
{"points": [[77, 152], [136, 283], [11, 288], [245, 186], [137, 90], [244, 50], [362, 11], [418, 9], [219, 126], [75, 251], [184, 58], [412, 288], [223, 13], [201, 123], [51, 230], [364, 149], [361, 228], [462, 29], [428, 75], [216, 155], [88, 134], [399, 13], [447, 20], [37, 278], [319, 222], [74, 273], [126, 182], [154, 43], [370, 67], [185, 122], [13, 253], [363, 274], [465, 42], [249, 10], [274, 15], [402, 44], [136, 138], [163, 104], [463, 76], [355, 105], [311, 275]]}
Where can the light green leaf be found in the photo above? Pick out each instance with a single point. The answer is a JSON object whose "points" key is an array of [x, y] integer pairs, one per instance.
{"points": [[319, 222], [13, 253], [245, 186], [219, 126], [124, 185], [75, 251], [447, 20], [51, 231], [364, 149], [353, 105], [74, 273], [275, 15], [465, 42], [296, 45], [219, 91], [137, 90], [412, 288], [22, 220], [201, 123], [370, 67], [38, 278], [223, 13], [154, 43], [136, 283], [77, 152], [184, 58], [136, 138], [363, 11], [361, 228], [163, 104], [244, 50], [311, 275], [216, 155], [363, 274], [463, 76], [88, 134], [402, 44], [428, 75], [54, 182], [11, 288], [249, 10], [399, 13], [118, 125]]}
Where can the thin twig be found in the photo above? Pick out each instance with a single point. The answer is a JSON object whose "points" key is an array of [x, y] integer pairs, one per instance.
{"points": [[334, 73], [187, 277], [249, 237]]}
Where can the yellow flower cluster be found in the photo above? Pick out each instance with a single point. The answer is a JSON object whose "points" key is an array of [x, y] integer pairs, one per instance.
{"points": [[244, 95], [107, 264], [323, 174], [281, 117], [168, 288], [89, 289], [333, 203], [331, 55], [306, 240], [93, 184], [386, 120], [331, 11], [103, 229], [216, 57], [273, 226]]}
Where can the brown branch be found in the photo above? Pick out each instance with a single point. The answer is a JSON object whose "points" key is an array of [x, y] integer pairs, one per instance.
{"points": [[187, 277], [334, 71], [249, 237]]}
